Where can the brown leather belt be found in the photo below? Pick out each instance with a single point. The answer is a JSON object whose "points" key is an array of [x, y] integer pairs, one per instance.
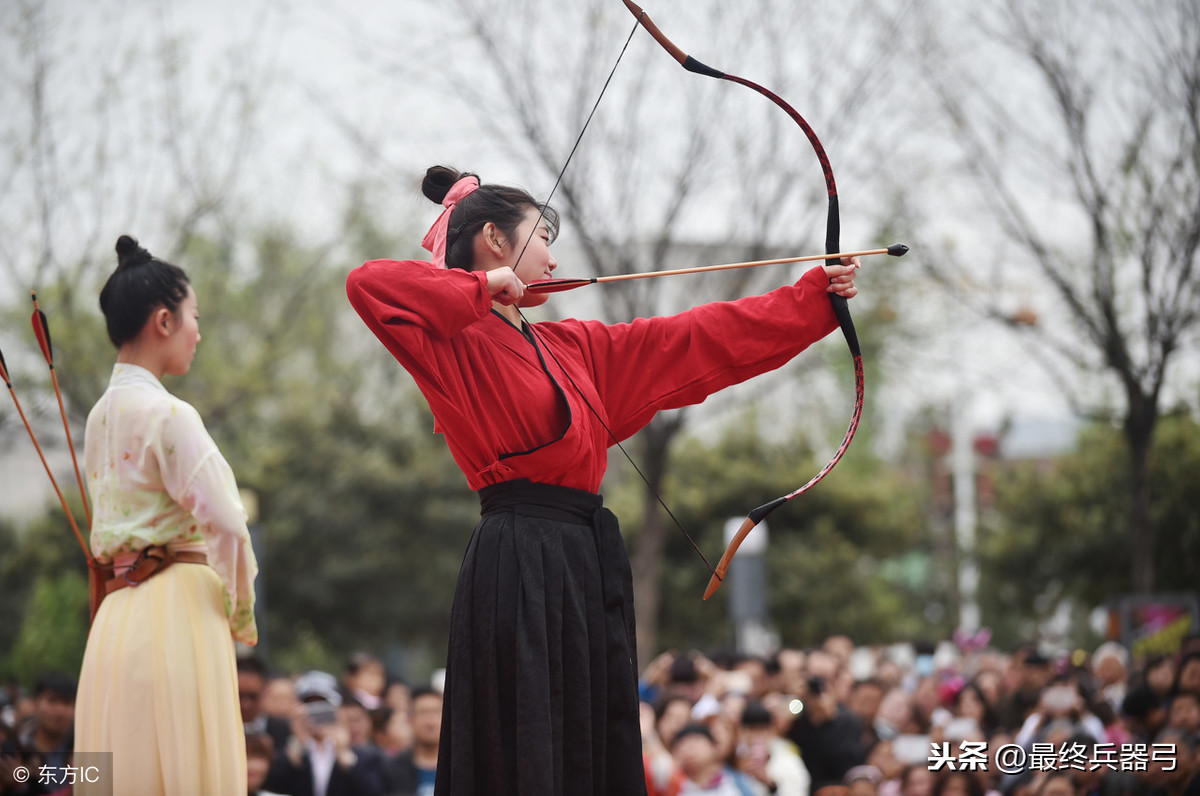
{"points": [[151, 561]]}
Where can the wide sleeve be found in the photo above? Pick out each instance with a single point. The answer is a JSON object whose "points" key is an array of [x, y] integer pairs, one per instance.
{"points": [[410, 305], [667, 362], [197, 477]]}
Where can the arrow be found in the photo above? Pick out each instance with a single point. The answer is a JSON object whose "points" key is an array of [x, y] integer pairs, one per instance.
{"points": [[42, 330], [42, 456], [562, 285]]}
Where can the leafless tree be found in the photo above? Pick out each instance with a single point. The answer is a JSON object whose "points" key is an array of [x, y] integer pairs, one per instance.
{"points": [[107, 131], [1080, 128]]}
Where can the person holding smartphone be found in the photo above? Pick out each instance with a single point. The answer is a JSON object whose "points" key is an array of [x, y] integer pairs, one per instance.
{"points": [[1060, 699], [319, 758]]}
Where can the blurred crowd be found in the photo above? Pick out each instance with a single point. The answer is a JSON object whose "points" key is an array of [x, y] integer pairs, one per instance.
{"points": [[953, 719], [957, 718]]}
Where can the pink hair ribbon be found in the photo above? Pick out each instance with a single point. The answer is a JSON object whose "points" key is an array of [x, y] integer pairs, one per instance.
{"points": [[435, 238]]}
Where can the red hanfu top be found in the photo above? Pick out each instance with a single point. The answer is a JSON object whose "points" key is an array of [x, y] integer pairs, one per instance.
{"points": [[506, 407]]}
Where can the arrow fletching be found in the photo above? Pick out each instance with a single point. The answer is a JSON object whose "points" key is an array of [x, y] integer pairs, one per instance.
{"points": [[557, 285], [41, 330]]}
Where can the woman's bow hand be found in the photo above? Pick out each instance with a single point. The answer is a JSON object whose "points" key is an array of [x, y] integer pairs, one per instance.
{"points": [[841, 277]]}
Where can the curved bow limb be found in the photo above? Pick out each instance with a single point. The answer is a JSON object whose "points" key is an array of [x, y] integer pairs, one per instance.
{"points": [[832, 234]]}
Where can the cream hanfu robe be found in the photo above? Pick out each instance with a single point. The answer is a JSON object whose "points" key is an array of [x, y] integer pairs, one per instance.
{"points": [[158, 687]]}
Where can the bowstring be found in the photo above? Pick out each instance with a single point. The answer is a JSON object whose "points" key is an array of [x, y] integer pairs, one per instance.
{"points": [[620, 447], [541, 215]]}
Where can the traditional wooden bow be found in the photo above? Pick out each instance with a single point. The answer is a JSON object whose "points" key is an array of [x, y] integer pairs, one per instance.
{"points": [[840, 307]]}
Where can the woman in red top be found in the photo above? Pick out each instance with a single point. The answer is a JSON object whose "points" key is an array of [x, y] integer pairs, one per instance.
{"points": [[541, 678]]}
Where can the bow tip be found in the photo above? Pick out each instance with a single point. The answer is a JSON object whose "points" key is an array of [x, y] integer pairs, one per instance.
{"points": [[897, 250], [714, 583]]}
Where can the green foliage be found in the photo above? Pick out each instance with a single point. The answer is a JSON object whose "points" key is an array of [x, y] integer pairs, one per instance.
{"points": [[54, 632], [836, 554], [1060, 529], [31, 558]]}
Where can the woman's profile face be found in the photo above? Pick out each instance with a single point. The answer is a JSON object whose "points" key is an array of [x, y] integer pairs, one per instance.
{"points": [[532, 247], [184, 336]]}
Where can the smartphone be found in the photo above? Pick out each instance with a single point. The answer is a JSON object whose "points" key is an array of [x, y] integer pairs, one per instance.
{"points": [[1060, 697], [911, 749], [320, 713]]}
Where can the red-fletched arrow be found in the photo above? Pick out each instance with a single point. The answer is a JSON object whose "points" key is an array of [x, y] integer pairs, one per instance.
{"points": [[41, 329], [561, 285], [41, 455]]}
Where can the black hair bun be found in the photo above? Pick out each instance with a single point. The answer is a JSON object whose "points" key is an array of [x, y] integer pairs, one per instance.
{"points": [[129, 253], [439, 180]]}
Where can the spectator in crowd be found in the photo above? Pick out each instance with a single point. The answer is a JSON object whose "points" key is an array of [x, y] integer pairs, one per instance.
{"points": [[926, 701], [1057, 783], [755, 670], [863, 781], [828, 735], [1110, 665], [1032, 671], [252, 684], [1183, 713], [1159, 675], [792, 665], [1101, 780], [763, 755], [882, 757], [700, 769], [1142, 713], [1187, 677], [356, 719], [895, 716], [396, 735], [990, 682], [971, 704], [319, 758], [956, 783], [840, 647], [279, 698], [413, 772], [1061, 701], [44, 739], [672, 712], [10, 697], [670, 672], [865, 698], [1173, 770], [365, 678], [917, 780], [260, 751]]}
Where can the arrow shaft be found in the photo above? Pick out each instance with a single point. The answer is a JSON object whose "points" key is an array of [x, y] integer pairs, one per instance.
{"points": [[53, 482], [729, 266], [41, 329], [560, 285]]}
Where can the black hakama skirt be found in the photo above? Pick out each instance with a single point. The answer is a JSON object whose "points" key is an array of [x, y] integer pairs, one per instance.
{"points": [[541, 677]]}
